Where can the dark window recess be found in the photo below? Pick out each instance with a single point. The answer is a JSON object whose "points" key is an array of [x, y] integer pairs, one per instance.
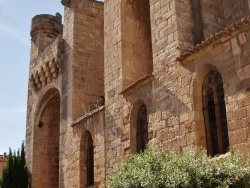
{"points": [[90, 162], [211, 128], [214, 110], [142, 129], [224, 129]]}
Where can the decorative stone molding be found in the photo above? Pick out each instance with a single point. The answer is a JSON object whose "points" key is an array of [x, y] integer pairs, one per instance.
{"points": [[47, 65]]}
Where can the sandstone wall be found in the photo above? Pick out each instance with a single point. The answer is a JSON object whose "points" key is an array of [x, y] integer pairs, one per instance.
{"points": [[83, 81], [113, 81], [136, 41], [164, 118], [168, 93], [121, 100], [198, 20], [229, 57], [83, 34], [235, 10], [93, 123]]}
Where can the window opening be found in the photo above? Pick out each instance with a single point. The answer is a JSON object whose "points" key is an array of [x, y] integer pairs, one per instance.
{"points": [[142, 129], [214, 111], [90, 162]]}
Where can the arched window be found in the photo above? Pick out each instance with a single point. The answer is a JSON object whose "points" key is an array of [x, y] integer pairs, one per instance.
{"points": [[90, 161], [142, 129], [86, 160], [214, 111]]}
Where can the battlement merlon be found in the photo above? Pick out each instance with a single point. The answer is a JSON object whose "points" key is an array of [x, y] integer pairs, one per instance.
{"points": [[44, 27]]}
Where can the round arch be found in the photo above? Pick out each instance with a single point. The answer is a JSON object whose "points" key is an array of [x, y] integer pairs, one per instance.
{"points": [[198, 99], [46, 140], [48, 94], [138, 133], [86, 160], [197, 102]]}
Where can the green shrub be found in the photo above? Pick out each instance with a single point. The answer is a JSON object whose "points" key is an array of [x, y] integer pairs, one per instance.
{"points": [[156, 168], [15, 174]]}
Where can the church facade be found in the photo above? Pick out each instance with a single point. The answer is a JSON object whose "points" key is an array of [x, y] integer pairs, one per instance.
{"points": [[118, 75]]}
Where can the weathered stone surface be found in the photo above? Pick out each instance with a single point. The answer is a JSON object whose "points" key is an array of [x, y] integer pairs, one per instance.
{"points": [[111, 58]]}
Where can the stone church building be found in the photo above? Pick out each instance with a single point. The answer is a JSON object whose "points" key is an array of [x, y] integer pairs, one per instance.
{"points": [[120, 74]]}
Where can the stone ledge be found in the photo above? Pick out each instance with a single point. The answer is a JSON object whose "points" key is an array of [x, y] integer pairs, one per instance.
{"points": [[221, 156], [88, 115], [137, 84]]}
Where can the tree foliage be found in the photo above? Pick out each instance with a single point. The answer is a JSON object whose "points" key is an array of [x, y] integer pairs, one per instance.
{"points": [[155, 168], [15, 174]]}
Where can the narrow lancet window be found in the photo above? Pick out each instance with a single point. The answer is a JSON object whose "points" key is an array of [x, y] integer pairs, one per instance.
{"points": [[214, 111], [142, 129], [90, 161]]}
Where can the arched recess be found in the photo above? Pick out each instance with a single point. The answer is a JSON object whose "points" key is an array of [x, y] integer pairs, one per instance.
{"points": [[46, 141], [86, 160], [210, 111], [138, 127], [137, 42]]}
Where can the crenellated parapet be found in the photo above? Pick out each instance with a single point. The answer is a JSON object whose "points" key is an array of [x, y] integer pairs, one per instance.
{"points": [[46, 49], [45, 29]]}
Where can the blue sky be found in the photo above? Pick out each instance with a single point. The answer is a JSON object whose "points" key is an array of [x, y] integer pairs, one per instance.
{"points": [[15, 19]]}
